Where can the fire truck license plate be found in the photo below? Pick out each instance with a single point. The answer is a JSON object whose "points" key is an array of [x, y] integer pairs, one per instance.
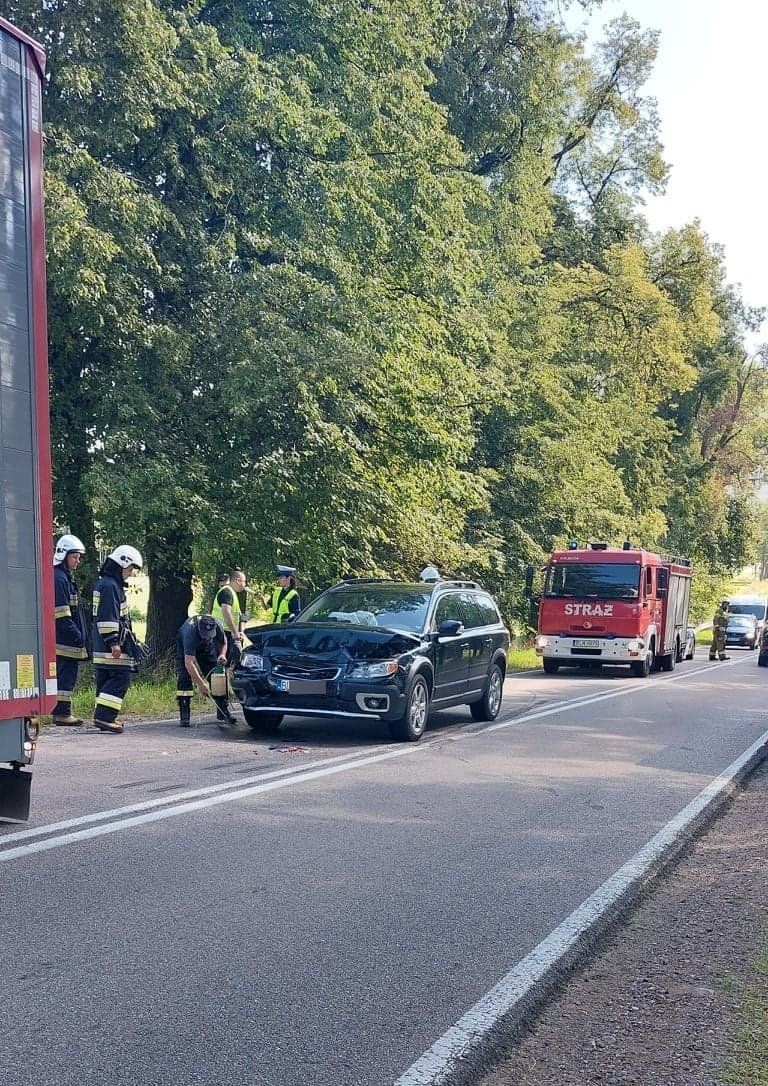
{"points": [[581, 643]]}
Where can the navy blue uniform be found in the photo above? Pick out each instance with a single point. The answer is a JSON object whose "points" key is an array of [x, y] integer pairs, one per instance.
{"points": [[206, 651], [110, 618], [71, 637]]}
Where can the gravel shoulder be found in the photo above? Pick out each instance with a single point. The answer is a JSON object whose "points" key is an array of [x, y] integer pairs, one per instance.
{"points": [[659, 1004]]}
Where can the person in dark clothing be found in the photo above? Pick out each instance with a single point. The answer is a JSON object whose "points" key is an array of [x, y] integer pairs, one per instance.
{"points": [[113, 668], [71, 628], [285, 600], [200, 646]]}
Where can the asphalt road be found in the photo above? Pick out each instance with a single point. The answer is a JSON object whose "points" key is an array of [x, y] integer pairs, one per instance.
{"points": [[214, 911]]}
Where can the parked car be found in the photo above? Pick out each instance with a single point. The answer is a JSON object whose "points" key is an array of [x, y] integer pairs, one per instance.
{"points": [[741, 631], [690, 643], [378, 650]]}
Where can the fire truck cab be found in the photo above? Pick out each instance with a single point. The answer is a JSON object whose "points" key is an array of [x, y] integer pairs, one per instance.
{"points": [[603, 605]]}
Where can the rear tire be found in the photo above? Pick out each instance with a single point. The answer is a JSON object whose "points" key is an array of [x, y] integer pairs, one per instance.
{"points": [[667, 662], [550, 666], [487, 708], [411, 726], [262, 723]]}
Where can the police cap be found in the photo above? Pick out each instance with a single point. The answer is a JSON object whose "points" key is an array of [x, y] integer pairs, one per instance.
{"points": [[286, 571]]}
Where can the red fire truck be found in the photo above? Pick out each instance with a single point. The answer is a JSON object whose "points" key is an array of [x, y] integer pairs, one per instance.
{"points": [[27, 635], [603, 605]]}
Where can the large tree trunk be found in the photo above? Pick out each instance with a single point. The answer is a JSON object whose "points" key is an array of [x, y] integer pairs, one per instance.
{"points": [[170, 594]]}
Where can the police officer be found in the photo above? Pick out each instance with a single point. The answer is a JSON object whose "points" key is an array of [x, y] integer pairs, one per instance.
{"points": [[112, 667], [285, 600], [719, 626], [226, 611], [71, 629], [200, 646]]}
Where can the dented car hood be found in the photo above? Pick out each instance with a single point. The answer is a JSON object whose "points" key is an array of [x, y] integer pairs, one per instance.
{"points": [[330, 641]]}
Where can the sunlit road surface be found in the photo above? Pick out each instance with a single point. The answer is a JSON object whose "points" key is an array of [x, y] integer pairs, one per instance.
{"points": [[188, 907]]}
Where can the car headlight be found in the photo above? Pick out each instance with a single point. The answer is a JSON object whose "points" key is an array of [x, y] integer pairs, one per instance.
{"points": [[635, 646], [541, 641], [252, 661], [374, 671]]}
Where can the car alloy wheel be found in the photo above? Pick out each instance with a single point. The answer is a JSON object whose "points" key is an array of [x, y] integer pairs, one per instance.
{"points": [[487, 708], [412, 724]]}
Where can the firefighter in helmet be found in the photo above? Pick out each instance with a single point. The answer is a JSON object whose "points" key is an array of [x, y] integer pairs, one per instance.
{"points": [[71, 629], [113, 668], [719, 626]]}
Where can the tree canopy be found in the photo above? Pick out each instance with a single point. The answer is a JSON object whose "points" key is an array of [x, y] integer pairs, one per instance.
{"points": [[366, 286]]}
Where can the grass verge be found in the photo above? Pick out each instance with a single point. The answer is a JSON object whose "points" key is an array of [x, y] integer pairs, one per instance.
{"points": [[523, 659], [748, 1066]]}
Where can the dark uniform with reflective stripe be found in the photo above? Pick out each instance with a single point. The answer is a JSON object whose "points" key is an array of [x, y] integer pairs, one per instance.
{"points": [[206, 650], [110, 618], [71, 637]]}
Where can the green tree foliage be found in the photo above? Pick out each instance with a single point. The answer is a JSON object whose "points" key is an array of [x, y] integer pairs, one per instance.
{"points": [[365, 286]]}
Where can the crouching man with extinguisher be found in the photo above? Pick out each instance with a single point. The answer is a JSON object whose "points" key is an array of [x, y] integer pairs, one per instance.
{"points": [[200, 647]]}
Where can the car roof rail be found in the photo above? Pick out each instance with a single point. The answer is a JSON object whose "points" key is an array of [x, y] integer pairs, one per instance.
{"points": [[459, 584], [367, 580]]}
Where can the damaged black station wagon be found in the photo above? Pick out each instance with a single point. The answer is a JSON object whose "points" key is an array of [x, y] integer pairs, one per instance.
{"points": [[378, 650]]}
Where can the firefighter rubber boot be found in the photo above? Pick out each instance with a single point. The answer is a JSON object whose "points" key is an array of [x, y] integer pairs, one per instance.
{"points": [[223, 714], [62, 716], [184, 705]]}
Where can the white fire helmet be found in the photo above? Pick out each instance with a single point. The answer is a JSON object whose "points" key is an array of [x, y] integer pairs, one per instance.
{"points": [[127, 556], [67, 545], [429, 575]]}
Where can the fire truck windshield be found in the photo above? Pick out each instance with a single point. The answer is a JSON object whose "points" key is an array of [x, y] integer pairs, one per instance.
{"points": [[592, 580]]}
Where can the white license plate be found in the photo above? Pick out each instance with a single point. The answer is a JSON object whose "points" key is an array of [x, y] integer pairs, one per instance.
{"points": [[581, 643], [301, 686]]}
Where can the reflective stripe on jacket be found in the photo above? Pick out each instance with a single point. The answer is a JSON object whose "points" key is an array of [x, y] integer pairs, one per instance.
{"points": [[71, 629]]}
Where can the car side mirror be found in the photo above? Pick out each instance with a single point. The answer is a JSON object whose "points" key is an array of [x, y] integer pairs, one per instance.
{"points": [[450, 628]]}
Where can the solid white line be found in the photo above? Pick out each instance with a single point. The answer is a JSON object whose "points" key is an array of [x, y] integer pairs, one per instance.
{"points": [[178, 797], [436, 1065], [186, 802], [202, 804]]}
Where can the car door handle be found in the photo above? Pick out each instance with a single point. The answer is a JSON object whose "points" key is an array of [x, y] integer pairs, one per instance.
{"points": [[466, 646], [487, 641]]}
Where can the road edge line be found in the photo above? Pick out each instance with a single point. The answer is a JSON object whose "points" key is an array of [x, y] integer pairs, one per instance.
{"points": [[494, 1024]]}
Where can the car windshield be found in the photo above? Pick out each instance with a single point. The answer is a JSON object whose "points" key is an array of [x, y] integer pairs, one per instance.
{"points": [[601, 580], [394, 607], [756, 609], [741, 620]]}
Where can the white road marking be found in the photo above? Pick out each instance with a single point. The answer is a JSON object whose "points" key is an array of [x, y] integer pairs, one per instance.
{"points": [[227, 792], [436, 1066]]}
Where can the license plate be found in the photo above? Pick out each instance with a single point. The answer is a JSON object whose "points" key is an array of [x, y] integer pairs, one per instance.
{"points": [[582, 643], [300, 686]]}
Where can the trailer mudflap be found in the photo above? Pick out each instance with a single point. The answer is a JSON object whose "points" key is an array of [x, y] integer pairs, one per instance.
{"points": [[15, 791]]}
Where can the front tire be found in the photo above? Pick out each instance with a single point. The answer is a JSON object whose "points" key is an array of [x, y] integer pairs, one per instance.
{"points": [[487, 708], [262, 723], [410, 727], [551, 666], [642, 668]]}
